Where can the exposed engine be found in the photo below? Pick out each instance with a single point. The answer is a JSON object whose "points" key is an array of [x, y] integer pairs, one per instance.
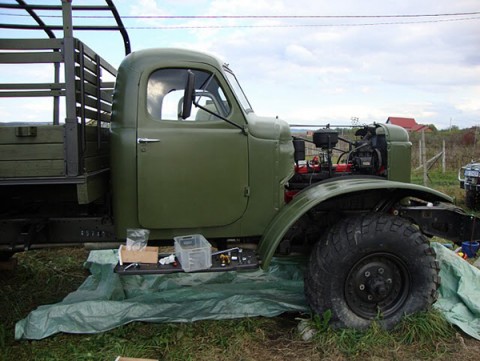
{"points": [[367, 155]]}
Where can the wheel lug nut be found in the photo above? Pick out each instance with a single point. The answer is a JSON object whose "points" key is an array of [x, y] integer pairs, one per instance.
{"points": [[370, 297], [367, 274], [381, 271], [362, 287], [389, 280]]}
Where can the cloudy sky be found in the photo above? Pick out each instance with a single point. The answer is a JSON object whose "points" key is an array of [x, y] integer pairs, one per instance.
{"points": [[318, 62]]}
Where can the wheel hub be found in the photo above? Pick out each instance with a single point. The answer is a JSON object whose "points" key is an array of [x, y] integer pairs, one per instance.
{"points": [[377, 284]]}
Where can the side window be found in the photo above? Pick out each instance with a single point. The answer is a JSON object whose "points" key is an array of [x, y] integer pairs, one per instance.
{"points": [[165, 91]]}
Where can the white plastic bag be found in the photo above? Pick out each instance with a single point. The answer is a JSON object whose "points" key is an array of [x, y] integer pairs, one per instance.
{"points": [[137, 239]]}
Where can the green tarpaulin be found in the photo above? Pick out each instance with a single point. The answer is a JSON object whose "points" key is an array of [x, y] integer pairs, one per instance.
{"points": [[107, 300], [459, 299]]}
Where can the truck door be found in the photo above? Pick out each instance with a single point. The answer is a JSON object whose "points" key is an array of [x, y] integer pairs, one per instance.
{"points": [[190, 173]]}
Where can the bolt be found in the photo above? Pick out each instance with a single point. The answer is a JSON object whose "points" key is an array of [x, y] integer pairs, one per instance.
{"points": [[389, 280], [367, 274], [362, 287], [134, 265], [380, 271], [370, 297]]}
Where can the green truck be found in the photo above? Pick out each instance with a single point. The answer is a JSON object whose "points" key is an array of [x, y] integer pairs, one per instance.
{"points": [[171, 144]]}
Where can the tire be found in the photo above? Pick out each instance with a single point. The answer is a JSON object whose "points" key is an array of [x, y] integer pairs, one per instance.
{"points": [[371, 267], [472, 199]]}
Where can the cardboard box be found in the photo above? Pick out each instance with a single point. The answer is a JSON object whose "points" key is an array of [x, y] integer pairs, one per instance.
{"points": [[120, 358], [149, 255]]}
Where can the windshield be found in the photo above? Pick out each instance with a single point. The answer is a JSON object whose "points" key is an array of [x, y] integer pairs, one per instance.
{"points": [[237, 89]]}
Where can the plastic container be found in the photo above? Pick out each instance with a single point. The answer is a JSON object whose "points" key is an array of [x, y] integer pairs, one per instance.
{"points": [[193, 252], [470, 249]]}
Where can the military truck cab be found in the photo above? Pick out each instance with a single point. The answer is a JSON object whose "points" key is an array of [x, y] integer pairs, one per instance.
{"points": [[175, 174]]}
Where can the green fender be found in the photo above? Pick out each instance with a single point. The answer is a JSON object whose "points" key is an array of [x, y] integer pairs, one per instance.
{"points": [[314, 195]]}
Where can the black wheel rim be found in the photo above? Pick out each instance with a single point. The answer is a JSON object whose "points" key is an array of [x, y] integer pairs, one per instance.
{"points": [[377, 286]]}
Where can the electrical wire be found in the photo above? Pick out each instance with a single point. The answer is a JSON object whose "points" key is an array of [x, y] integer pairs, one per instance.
{"points": [[263, 16], [451, 18], [176, 27]]}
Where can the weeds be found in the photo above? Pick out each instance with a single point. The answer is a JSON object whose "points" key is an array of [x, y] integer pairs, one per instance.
{"points": [[322, 322], [424, 328], [428, 332]]}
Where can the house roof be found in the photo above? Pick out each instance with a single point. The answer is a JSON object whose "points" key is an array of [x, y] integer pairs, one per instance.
{"points": [[407, 123], [420, 127]]}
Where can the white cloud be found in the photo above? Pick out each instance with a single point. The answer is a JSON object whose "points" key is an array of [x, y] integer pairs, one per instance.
{"points": [[429, 71]]}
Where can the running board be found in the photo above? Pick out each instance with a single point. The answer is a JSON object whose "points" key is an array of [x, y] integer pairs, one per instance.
{"points": [[220, 263]]}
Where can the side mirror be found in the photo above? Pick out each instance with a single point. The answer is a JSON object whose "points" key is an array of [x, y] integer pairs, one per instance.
{"points": [[189, 95]]}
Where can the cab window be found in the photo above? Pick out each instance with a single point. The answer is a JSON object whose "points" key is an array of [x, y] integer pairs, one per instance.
{"points": [[165, 90]]}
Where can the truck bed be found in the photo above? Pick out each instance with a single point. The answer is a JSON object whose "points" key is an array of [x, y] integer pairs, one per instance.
{"points": [[38, 151], [73, 150]]}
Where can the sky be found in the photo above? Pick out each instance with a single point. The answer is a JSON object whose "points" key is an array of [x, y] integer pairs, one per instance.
{"points": [[313, 62]]}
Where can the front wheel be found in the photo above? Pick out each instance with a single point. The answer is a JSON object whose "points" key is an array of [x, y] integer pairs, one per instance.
{"points": [[371, 267]]}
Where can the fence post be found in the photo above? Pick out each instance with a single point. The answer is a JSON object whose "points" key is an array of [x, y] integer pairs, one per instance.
{"points": [[424, 159], [444, 157], [420, 152]]}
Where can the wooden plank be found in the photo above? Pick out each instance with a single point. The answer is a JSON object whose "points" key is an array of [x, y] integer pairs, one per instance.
{"points": [[8, 265], [39, 86], [94, 188], [108, 95], [103, 63], [90, 114], [90, 89], [44, 134], [91, 133], [97, 163], [34, 93], [108, 67], [30, 44], [92, 103], [88, 76], [33, 168], [108, 85], [105, 94], [31, 151], [87, 63], [92, 149], [24, 58]]}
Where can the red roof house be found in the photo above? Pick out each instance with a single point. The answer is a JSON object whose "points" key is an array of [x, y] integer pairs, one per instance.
{"points": [[409, 124]]}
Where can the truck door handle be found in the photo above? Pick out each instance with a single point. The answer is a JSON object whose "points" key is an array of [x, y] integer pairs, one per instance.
{"points": [[147, 140]]}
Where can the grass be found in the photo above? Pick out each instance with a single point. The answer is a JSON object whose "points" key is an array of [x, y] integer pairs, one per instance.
{"points": [[428, 332], [46, 276], [206, 340]]}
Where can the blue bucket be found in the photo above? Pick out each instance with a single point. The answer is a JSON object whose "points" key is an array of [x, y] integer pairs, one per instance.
{"points": [[470, 249]]}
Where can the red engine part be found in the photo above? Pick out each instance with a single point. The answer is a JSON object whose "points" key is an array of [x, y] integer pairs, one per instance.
{"points": [[342, 168], [288, 196], [301, 169]]}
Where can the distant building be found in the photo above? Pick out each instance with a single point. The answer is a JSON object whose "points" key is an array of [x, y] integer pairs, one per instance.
{"points": [[409, 124]]}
